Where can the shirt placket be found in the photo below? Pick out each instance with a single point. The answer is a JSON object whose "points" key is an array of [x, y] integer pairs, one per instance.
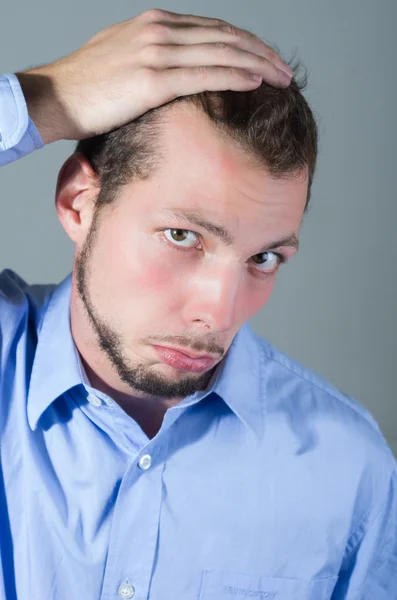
{"points": [[135, 525]]}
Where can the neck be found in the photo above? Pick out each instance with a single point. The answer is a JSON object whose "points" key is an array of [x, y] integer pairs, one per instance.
{"points": [[148, 412]]}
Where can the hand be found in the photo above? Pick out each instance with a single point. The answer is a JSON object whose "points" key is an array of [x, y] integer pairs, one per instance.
{"points": [[136, 65]]}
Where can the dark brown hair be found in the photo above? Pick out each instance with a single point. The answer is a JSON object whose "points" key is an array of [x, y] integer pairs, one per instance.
{"points": [[274, 127]]}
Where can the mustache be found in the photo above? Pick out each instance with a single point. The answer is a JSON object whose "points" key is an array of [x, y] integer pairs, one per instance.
{"points": [[199, 346]]}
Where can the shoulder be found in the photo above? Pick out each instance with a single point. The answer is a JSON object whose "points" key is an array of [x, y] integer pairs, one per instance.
{"points": [[21, 305], [342, 423]]}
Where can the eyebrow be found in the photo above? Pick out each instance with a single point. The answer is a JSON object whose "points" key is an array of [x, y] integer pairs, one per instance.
{"points": [[223, 234]]}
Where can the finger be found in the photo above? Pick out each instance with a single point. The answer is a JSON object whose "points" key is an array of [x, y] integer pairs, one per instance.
{"points": [[162, 14], [185, 81], [189, 34], [219, 54], [204, 29]]}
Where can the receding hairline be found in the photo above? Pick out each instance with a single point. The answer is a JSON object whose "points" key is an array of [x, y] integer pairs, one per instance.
{"points": [[285, 116], [253, 160]]}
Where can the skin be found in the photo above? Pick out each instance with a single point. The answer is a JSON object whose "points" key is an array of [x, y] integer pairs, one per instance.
{"points": [[196, 297], [140, 64]]}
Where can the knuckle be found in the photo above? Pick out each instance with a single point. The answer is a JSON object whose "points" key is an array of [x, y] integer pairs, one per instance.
{"points": [[222, 46], [152, 53], [147, 77], [235, 73], [271, 54], [202, 71], [264, 60], [152, 14], [219, 22], [229, 30], [157, 32]]}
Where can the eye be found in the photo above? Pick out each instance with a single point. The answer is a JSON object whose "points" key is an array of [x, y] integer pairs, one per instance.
{"points": [[181, 237], [268, 260]]}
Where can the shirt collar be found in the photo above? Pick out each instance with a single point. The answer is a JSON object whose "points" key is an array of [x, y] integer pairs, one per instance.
{"points": [[57, 367], [239, 383]]}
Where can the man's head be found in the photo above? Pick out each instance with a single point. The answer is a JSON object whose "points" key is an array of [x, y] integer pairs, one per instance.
{"points": [[181, 220]]}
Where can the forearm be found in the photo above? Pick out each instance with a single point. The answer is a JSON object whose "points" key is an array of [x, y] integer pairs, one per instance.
{"points": [[44, 104]]}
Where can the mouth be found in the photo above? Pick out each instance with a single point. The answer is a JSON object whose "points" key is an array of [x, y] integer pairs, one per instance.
{"points": [[184, 360]]}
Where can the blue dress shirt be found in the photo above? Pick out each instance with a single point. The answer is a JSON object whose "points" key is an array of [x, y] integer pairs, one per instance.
{"points": [[270, 484]]}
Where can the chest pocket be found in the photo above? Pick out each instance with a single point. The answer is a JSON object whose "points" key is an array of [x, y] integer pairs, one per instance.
{"points": [[225, 585]]}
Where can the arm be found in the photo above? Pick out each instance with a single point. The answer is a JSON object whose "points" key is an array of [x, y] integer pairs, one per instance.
{"points": [[128, 69], [369, 569]]}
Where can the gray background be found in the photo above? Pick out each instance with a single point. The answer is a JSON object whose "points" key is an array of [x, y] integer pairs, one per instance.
{"points": [[333, 307]]}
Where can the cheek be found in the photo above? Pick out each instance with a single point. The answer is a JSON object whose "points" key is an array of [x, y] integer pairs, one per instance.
{"points": [[140, 268], [253, 298]]}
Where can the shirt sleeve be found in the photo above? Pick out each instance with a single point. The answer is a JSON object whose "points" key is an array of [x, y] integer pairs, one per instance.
{"points": [[370, 569], [18, 134]]}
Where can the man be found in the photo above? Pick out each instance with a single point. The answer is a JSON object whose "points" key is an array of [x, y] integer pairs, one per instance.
{"points": [[151, 445]]}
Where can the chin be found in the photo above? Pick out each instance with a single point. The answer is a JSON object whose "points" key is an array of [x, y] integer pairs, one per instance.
{"points": [[177, 374]]}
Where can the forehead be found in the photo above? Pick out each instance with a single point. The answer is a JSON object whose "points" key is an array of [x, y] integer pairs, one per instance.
{"points": [[202, 170]]}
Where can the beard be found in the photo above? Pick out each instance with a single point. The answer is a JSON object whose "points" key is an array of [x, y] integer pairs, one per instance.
{"points": [[139, 377]]}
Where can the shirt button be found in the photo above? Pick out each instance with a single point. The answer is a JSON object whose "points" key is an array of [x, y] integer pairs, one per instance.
{"points": [[126, 590], [94, 400], [145, 461]]}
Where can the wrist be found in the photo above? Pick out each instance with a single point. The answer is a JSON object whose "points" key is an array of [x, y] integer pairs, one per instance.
{"points": [[44, 108]]}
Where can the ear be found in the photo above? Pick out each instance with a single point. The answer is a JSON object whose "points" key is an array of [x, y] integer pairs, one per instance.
{"points": [[75, 196]]}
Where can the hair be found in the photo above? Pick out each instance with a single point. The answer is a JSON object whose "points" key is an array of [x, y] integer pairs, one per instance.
{"points": [[274, 127]]}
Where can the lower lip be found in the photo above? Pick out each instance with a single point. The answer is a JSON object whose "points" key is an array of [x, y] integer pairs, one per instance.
{"points": [[181, 361]]}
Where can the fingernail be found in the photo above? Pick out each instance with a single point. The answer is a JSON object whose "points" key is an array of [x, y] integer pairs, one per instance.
{"points": [[287, 70], [285, 76]]}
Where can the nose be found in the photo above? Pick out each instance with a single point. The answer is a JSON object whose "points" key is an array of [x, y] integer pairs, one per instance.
{"points": [[212, 299]]}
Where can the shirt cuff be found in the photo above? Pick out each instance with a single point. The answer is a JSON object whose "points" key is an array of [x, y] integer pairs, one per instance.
{"points": [[16, 127]]}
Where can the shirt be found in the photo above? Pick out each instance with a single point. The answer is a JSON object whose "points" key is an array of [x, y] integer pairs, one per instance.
{"points": [[271, 483]]}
